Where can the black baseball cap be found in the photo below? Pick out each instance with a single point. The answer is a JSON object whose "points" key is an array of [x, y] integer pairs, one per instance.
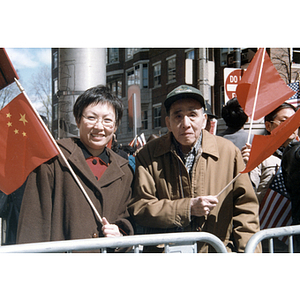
{"points": [[183, 91]]}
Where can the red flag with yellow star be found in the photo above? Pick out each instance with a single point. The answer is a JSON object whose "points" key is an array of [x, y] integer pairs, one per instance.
{"points": [[24, 143]]}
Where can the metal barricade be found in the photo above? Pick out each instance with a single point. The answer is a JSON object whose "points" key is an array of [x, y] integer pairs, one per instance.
{"points": [[184, 242], [269, 234]]}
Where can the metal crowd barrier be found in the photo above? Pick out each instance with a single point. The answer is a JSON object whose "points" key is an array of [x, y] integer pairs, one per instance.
{"points": [[183, 242], [269, 234]]}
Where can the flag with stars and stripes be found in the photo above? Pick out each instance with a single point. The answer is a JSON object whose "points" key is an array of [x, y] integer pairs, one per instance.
{"points": [[295, 99], [275, 208]]}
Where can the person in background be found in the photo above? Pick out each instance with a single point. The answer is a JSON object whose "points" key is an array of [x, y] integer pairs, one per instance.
{"points": [[116, 148], [290, 164], [264, 173], [235, 119], [53, 207], [130, 152], [210, 119], [178, 176]]}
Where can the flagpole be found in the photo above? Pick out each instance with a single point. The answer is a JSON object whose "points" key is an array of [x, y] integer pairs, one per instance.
{"points": [[256, 95], [232, 181], [60, 152]]}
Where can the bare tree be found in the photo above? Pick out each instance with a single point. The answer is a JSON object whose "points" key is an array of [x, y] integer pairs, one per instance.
{"points": [[7, 94], [41, 88], [282, 60]]}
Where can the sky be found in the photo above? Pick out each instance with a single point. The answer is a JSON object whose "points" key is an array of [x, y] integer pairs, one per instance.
{"points": [[28, 62]]}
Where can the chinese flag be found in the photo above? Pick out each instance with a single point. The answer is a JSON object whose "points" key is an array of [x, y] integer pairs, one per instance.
{"points": [[24, 143], [265, 145], [7, 71], [272, 92]]}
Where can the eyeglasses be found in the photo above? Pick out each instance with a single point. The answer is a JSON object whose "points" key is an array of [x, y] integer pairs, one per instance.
{"points": [[92, 120], [278, 122]]}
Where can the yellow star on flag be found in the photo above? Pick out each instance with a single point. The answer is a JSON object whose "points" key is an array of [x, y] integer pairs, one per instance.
{"points": [[23, 119], [9, 124], [8, 115], [16, 131], [24, 133]]}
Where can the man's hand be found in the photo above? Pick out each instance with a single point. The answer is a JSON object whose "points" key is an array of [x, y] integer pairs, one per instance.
{"points": [[110, 230], [246, 152], [202, 206]]}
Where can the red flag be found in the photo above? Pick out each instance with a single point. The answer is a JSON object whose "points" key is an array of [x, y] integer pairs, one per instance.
{"points": [[272, 92], [24, 143], [7, 71], [265, 145]]}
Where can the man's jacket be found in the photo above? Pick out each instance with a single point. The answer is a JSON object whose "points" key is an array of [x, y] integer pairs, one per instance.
{"points": [[163, 190]]}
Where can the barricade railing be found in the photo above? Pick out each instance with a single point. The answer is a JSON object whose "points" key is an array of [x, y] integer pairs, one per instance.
{"points": [[183, 242], [270, 234]]}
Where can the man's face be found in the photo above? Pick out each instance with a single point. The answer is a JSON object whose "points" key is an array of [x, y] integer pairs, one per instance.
{"points": [[186, 121], [281, 116]]}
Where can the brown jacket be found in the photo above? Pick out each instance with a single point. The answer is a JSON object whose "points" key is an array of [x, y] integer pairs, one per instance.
{"points": [[54, 208], [163, 190]]}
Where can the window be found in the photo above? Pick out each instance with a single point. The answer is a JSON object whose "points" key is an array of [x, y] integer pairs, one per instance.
{"points": [[137, 76], [145, 76], [130, 77], [134, 76], [171, 69], [113, 55], [55, 85], [157, 116], [157, 75], [190, 54], [116, 88], [223, 53], [119, 88], [55, 112], [144, 119], [296, 55], [54, 60], [129, 53]]}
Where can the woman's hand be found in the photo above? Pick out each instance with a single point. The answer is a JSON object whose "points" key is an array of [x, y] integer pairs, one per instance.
{"points": [[110, 230]]}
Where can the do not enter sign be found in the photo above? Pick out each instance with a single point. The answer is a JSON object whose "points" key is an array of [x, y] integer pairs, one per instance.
{"points": [[232, 77]]}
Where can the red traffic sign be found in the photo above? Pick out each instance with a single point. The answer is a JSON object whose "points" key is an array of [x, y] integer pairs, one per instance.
{"points": [[231, 82]]}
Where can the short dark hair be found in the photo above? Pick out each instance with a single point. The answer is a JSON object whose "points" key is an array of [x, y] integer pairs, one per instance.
{"points": [[233, 114], [128, 149], [97, 94], [272, 115]]}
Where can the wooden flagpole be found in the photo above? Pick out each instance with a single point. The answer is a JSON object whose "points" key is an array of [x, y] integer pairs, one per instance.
{"points": [[62, 155], [232, 181]]}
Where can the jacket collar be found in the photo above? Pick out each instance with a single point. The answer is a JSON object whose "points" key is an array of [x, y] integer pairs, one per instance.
{"points": [[73, 153], [209, 145]]}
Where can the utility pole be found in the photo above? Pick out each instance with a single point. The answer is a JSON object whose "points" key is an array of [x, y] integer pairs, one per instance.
{"points": [[204, 86], [237, 57], [79, 69]]}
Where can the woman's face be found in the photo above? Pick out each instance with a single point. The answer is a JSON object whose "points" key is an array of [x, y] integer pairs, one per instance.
{"points": [[97, 126]]}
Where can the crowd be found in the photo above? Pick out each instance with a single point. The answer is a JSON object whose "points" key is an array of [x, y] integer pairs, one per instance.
{"points": [[171, 184]]}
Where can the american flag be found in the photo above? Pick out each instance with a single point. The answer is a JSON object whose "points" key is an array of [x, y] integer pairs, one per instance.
{"points": [[275, 208], [294, 100]]}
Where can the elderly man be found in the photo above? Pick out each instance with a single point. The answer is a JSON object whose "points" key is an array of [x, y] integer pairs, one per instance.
{"points": [[179, 175]]}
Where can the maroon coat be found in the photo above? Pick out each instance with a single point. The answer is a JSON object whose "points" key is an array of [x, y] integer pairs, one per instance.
{"points": [[54, 208]]}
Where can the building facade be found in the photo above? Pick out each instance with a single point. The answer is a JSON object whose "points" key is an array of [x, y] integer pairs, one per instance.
{"points": [[157, 71]]}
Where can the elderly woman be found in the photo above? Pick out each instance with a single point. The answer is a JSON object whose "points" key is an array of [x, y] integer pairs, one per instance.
{"points": [[54, 208]]}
